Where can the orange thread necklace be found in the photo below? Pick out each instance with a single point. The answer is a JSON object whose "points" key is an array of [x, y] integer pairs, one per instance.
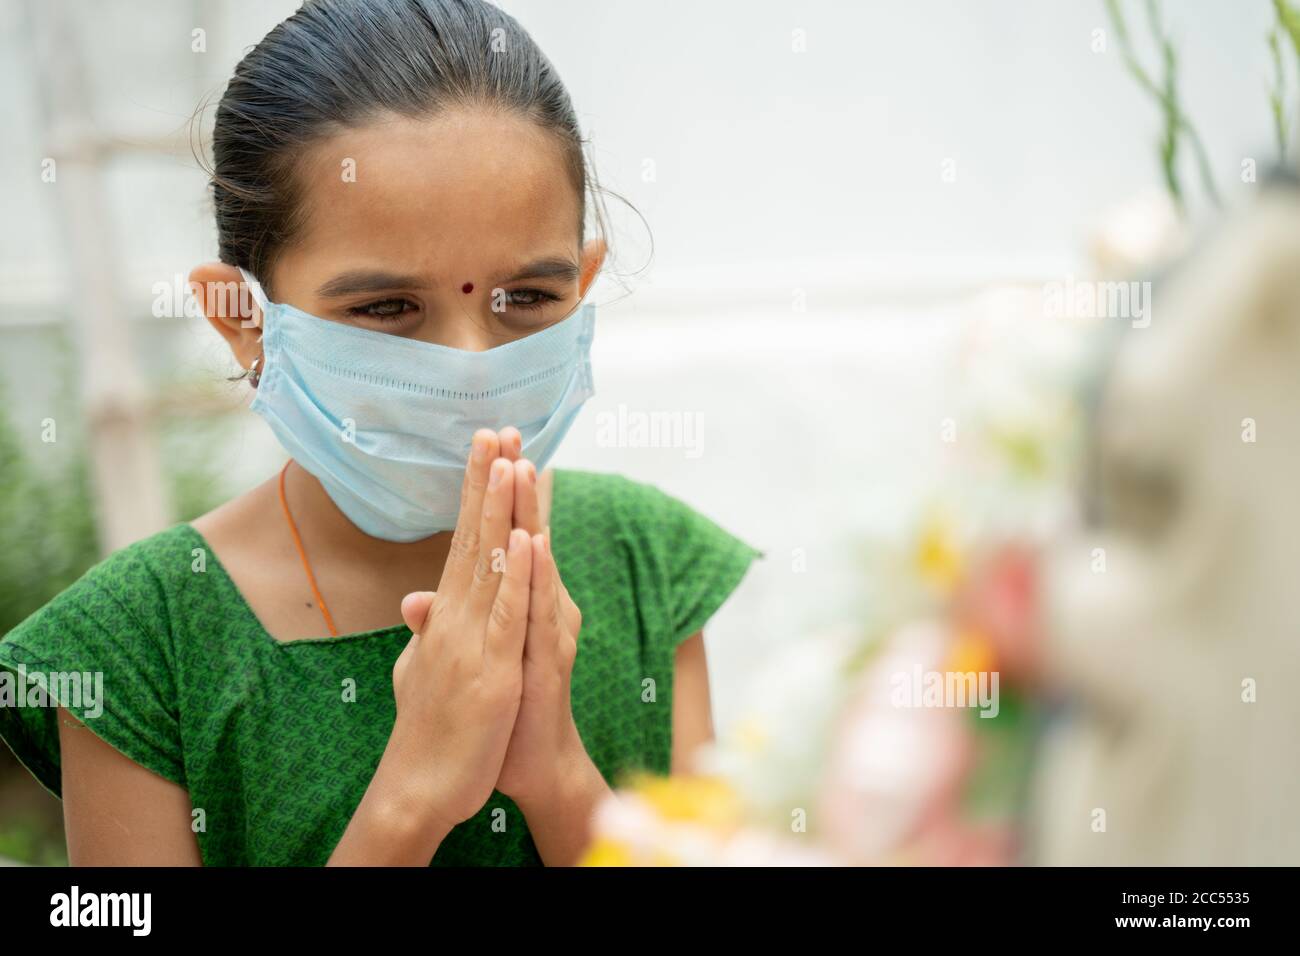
{"points": [[302, 553]]}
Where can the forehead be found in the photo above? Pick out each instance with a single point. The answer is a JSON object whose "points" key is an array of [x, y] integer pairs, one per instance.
{"points": [[451, 195]]}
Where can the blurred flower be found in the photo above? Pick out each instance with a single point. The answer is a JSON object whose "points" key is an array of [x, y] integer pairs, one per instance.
{"points": [[1137, 235], [687, 821], [892, 766], [1000, 608], [971, 651], [703, 799], [938, 560], [836, 756], [774, 751]]}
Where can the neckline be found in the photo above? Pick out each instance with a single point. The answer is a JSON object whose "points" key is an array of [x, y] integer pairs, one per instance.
{"points": [[251, 616]]}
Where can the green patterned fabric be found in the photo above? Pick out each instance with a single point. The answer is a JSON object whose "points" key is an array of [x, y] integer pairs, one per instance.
{"points": [[265, 735]]}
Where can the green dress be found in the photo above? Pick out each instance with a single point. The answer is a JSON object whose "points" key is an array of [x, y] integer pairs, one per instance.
{"points": [[277, 741]]}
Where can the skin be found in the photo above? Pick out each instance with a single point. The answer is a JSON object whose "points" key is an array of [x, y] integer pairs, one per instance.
{"points": [[492, 653]]}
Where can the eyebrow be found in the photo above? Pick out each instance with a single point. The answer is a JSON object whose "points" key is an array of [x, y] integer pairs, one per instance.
{"points": [[551, 267], [351, 283]]}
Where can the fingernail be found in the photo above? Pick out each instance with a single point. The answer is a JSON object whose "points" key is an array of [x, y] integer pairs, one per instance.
{"points": [[517, 539], [494, 477], [548, 539], [478, 448]]}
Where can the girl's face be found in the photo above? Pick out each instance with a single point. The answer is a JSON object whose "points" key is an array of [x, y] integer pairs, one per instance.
{"points": [[461, 230]]}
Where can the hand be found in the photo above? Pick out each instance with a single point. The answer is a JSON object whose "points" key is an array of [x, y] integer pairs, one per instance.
{"points": [[545, 744], [458, 682]]}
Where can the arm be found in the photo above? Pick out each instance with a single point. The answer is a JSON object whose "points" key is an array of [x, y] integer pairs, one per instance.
{"points": [[692, 706], [117, 813], [393, 825], [560, 823]]}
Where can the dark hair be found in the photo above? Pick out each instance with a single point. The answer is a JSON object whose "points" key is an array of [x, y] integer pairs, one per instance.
{"points": [[337, 63]]}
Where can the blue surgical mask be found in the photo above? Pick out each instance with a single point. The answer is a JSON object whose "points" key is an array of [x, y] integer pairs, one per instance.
{"points": [[385, 423]]}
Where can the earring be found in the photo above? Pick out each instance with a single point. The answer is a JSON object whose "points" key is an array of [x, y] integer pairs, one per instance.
{"points": [[254, 376]]}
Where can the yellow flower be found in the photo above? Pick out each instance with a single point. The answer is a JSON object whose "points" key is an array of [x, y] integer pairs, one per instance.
{"points": [[938, 559], [971, 652], [606, 852], [695, 798]]}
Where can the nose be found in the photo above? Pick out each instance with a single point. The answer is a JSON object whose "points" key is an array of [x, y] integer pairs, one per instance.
{"points": [[466, 329]]}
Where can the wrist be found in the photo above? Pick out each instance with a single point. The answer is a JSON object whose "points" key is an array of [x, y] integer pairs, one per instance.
{"points": [[406, 802], [575, 774], [403, 818], [390, 828]]}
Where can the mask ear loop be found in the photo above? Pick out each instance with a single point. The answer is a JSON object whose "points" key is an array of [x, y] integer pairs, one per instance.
{"points": [[264, 306], [259, 296]]}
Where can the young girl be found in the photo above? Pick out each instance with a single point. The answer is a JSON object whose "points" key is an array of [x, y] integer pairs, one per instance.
{"points": [[414, 643]]}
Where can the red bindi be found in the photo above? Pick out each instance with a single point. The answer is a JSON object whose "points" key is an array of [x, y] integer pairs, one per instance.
{"points": [[467, 288]]}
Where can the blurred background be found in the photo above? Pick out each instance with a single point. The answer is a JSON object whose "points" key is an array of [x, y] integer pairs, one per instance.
{"points": [[825, 198]]}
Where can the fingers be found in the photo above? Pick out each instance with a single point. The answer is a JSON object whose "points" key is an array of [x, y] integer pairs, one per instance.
{"points": [[543, 602], [508, 620], [494, 536], [459, 569], [512, 442], [527, 510], [415, 608], [569, 612]]}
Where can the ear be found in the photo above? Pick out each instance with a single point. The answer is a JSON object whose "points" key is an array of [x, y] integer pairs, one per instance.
{"points": [[229, 305], [593, 256]]}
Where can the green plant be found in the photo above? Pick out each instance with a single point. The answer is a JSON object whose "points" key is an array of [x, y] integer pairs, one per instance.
{"points": [[28, 841], [47, 528], [1288, 23], [1178, 127]]}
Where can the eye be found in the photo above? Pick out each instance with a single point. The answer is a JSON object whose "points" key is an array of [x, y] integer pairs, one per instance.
{"points": [[385, 310], [531, 298]]}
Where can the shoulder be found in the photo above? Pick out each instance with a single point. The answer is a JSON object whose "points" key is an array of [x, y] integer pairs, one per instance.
{"points": [[609, 505], [681, 564], [606, 492], [157, 565], [656, 526], [129, 590], [103, 648]]}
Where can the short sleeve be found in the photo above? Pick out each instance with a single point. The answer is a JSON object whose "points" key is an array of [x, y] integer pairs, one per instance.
{"points": [[699, 562], [99, 650]]}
